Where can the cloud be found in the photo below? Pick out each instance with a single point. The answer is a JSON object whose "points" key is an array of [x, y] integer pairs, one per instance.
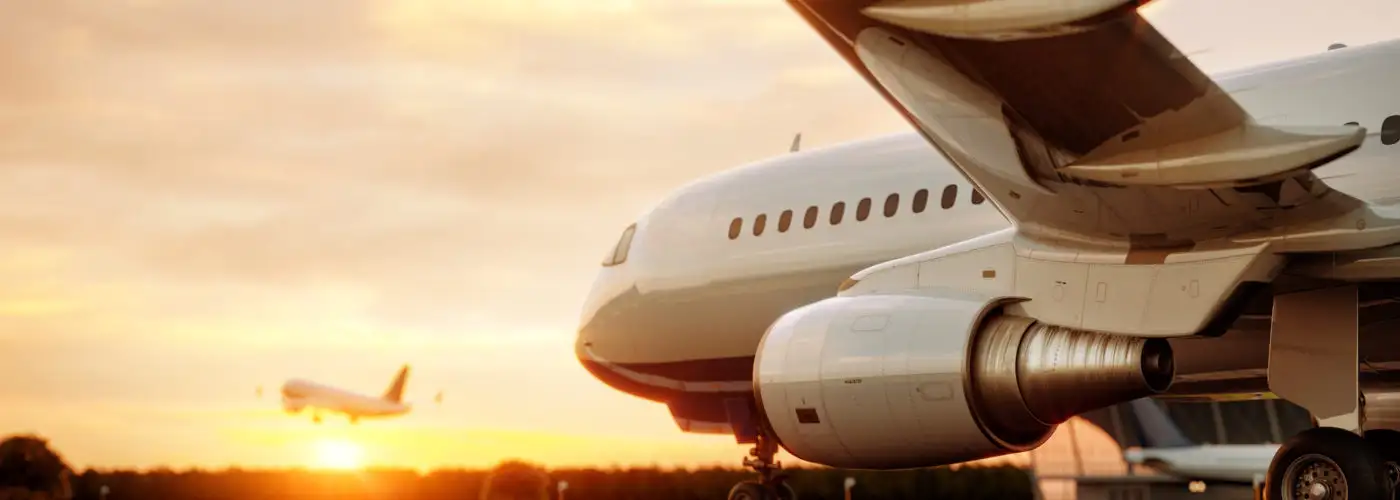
{"points": [[199, 197], [433, 154]]}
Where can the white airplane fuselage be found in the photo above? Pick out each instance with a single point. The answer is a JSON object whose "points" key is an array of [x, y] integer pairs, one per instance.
{"points": [[708, 270], [298, 394]]}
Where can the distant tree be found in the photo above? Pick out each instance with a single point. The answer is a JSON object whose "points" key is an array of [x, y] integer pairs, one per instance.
{"points": [[516, 480], [29, 470]]}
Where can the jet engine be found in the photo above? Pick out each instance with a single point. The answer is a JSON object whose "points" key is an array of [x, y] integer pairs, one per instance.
{"points": [[904, 381]]}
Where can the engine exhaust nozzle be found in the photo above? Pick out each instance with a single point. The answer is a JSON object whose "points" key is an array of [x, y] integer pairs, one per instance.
{"points": [[1065, 372], [1028, 377]]}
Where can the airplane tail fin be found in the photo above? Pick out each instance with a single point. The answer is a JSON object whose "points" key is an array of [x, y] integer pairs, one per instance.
{"points": [[395, 392], [1156, 427]]}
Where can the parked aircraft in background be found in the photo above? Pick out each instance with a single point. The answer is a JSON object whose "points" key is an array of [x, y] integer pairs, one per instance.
{"points": [[298, 394], [1168, 451], [1095, 219]]}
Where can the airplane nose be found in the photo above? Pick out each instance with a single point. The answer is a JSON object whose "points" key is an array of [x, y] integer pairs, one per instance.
{"points": [[599, 308], [606, 333], [592, 361], [582, 347], [603, 322]]}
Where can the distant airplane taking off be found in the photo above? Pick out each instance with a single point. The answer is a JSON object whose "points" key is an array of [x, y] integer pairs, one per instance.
{"points": [[298, 394]]}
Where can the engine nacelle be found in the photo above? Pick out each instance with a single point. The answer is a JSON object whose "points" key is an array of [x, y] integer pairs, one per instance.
{"points": [[904, 381]]}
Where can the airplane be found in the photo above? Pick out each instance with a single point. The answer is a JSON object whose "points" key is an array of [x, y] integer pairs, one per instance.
{"points": [[1080, 218], [1169, 451], [298, 394]]}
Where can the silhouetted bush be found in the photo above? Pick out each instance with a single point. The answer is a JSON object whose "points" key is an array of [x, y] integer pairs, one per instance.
{"points": [[29, 470], [517, 480]]}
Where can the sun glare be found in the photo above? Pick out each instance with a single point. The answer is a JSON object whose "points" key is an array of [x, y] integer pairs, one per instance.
{"points": [[338, 454]]}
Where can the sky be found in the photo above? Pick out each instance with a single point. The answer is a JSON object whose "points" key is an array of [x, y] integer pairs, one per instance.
{"points": [[198, 199]]}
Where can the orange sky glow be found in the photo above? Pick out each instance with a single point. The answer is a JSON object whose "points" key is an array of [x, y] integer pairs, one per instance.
{"points": [[199, 199]]}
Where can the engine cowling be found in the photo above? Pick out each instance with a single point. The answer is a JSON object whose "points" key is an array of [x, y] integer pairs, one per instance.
{"points": [[903, 381]]}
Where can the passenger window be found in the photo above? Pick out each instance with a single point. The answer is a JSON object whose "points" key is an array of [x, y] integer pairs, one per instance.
{"points": [[735, 226], [920, 201], [758, 223], [891, 204], [624, 245], [785, 221], [977, 197], [810, 219], [950, 196], [863, 209], [1390, 130], [837, 211]]}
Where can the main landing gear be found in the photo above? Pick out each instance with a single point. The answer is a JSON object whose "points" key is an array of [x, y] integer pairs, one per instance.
{"points": [[1313, 352], [770, 484], [1329, 463]]}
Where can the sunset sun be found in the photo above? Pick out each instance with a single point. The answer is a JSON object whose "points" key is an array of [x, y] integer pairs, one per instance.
{"points": [[339, 454]]}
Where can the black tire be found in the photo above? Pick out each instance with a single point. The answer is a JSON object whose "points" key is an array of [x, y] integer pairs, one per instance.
{"points": [[1387, 443], [1329, 451], [753, 490]]}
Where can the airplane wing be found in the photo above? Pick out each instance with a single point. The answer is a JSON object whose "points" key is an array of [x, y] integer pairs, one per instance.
{"points": [[1081, 122]]}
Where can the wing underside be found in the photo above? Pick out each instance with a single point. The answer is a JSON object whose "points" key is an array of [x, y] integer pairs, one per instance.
{"points": [[1080, 121]]}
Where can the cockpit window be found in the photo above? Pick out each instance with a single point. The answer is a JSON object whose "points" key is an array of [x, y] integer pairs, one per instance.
{"points": [[624, 244]]}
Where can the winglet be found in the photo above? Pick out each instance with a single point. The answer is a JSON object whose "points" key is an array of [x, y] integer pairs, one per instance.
{"points": [[796, 143], [395, 392]]}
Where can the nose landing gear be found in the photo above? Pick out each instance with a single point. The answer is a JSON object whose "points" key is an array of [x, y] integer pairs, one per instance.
{"points": [[771, 483]]}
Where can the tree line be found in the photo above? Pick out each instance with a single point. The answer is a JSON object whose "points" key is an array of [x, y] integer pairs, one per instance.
{"points": [[30, 471]]}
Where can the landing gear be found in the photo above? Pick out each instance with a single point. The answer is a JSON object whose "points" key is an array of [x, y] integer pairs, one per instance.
{"points": [[316, 418], [770, 485], [1387, 443], [354, 420], [1328, 463], [754, 490], [1313, 352]]}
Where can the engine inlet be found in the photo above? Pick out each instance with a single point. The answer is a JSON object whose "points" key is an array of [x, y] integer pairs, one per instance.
{"points": [[1027, 377]]}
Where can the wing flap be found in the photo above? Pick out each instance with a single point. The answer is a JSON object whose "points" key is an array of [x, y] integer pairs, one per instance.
{"points": [[1249, 154], [1077, 130]]}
